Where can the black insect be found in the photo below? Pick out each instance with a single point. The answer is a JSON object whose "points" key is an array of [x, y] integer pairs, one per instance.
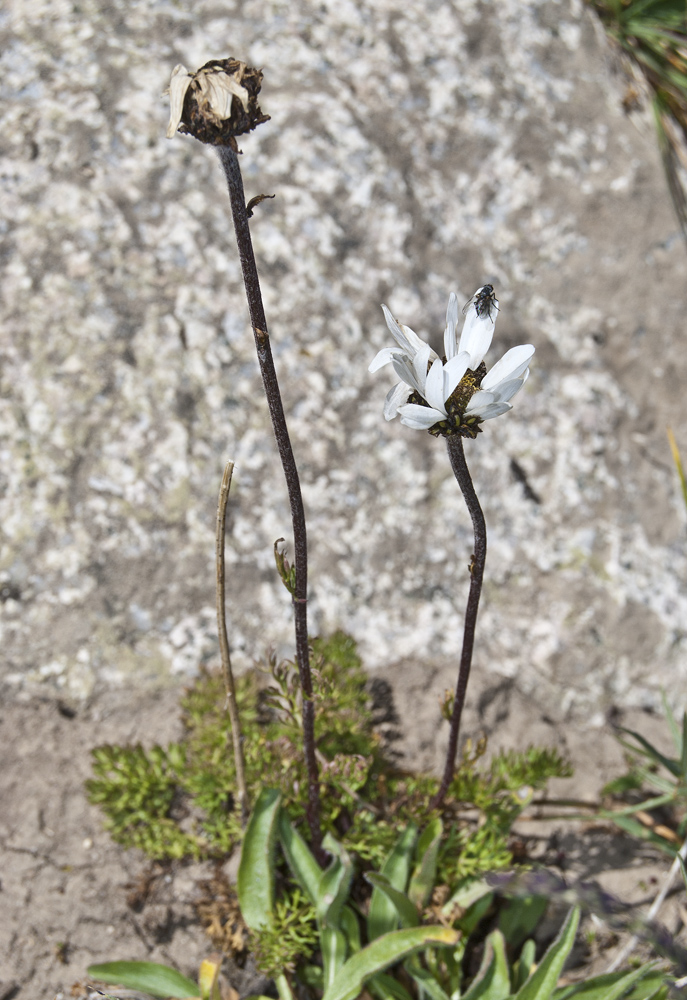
{"points": [[484, 300]]}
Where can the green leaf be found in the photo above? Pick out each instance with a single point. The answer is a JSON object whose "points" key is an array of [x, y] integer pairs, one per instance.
{"points": [[614, 985], [283, 987], [312, 976], [493, 979], [422, 881], [468, 893], [351, 928], [636, 829], [255, 882], [333, 946], [520, 916], [646, 806], [299, 857], [403, 910], [475, 913], [542, 982], [383, 915], [334, 885], [383, 952], [150, 977], [523, 966], [425, 980], [385, 987], [681, 862], [650, 751]]}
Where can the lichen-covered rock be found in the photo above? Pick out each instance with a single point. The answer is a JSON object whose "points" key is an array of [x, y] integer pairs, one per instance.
{"points": [[413, 151]]}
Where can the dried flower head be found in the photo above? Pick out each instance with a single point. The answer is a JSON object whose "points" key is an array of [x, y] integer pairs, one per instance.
{"points": [[217, 102]]}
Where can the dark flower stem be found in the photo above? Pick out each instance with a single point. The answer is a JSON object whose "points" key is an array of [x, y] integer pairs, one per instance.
{"points": [[460, 471], [232, 170]]}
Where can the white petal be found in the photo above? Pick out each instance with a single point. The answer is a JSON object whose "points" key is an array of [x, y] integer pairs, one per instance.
{"points": [[403, 370], [420, 418], [178, 85], [450, 342], [494, 410], [506, 390], [434, 386], [478, 401], [395, 329], [416, 343], [476, 336], [512, 365], [454, 371], [420, 364], [386, 355], [395, 397], [403, 335]]}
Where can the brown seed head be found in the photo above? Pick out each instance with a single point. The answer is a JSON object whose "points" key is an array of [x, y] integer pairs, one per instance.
{"points": [[217, 102]]}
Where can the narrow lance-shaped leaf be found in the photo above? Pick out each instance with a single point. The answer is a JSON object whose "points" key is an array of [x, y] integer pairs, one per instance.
{"points": [[650, 751], [614, 985], [383, 915], [492, 982], [150, 977], [334, 885], [428, 986], [385, 987], [543, 980], [255, 882], [333, 947], [348, 921], [422, 880], [404, 912], [385, 951], [299, 857], [523, 967]]}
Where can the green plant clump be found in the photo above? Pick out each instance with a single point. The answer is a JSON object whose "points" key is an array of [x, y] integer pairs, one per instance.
{"points": [[180, 800]]}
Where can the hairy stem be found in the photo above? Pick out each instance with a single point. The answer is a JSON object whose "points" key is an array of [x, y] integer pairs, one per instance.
{"points": [[227, 672], [460, 471], [229, 159]]}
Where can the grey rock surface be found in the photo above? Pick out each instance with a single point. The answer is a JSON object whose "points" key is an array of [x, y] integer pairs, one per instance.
{"points": [[413, 150]]}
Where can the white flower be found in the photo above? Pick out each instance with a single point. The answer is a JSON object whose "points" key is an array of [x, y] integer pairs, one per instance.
{"points": [[453, 395]]}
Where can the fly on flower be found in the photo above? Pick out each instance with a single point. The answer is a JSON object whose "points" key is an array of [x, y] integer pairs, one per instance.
{"points": [[484, 300], [453, 394]]}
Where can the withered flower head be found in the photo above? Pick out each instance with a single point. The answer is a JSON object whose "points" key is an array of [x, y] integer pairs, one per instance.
{"points": [[215, 103]]}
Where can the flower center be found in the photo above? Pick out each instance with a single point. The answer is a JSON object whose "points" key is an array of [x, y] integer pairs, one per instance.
{"points": [[458, 401], [456, 405]]}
